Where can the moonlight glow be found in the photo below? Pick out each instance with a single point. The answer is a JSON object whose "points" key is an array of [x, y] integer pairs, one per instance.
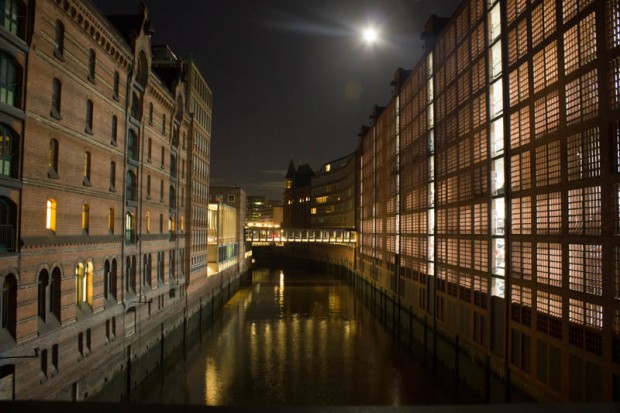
{"points": [[370, 35]]}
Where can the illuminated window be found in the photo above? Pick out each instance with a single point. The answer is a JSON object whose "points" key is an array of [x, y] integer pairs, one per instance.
{"points": [[585, 268], [549, 264], [582, 98], [584, 155], [85, 218], [580, 44], [50, 220], [328, 167], [111, 220], [313, 211], [130, 228], [182, 223], [613, 23], [84, 283], [148, 222]]}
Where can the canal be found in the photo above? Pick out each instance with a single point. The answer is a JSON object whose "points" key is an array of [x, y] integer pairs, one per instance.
{"points": [[294, 338]]}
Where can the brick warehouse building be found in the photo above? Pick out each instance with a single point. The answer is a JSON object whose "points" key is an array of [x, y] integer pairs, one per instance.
{"points": [[99, 144], [489, 192]]}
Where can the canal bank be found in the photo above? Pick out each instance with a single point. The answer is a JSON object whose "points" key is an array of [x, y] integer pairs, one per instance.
{"points": [[164, 343]]}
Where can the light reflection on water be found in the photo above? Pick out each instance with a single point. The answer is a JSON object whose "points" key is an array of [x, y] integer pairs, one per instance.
{"points": [[307, 340]]}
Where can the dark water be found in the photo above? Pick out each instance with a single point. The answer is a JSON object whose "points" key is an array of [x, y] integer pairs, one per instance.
{"points": [[297, 339]]}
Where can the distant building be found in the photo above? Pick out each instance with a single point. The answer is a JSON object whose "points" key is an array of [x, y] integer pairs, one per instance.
{"points": [[263, 212], [233, 197], [333, 194], [297, 196]]}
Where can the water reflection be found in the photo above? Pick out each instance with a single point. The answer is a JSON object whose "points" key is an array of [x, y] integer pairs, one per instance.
{"points": [[300, 339]]}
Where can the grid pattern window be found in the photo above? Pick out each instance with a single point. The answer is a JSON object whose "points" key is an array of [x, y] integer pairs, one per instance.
{"points": [[543, 21], [522, 260], [582, 98], [520, 127], [584, 211], [549, 213], [521, 171], [547, 114], [585, 268], [545, 65], [519, 84], [570, 8], [580, 44], [522, 215], [514, 9], [548, 167], [614, 83], [550, 304], [584, 313], [549, 264], [517, 45], [613, 23], [584, 155]]}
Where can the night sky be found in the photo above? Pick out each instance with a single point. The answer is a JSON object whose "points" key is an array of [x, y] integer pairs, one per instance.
{"points": [[291, 79]]}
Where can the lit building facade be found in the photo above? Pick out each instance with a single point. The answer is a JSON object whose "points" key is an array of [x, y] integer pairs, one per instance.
{"points": [[333, 194], [263, 212], [488, 194], [100, 143], [236, 198]]}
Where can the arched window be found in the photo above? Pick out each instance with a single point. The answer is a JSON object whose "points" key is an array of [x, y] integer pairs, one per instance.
{"points": [[112, 176], [7, 224], [92, 59], [55, 289], [114, 128], [148, 222], [132, 193], [43, 294], [87, 163], [56, 98], [80, 284], [136, 104], [132, 145], [148, 186], [6, 152], [150, 113], [53, 159], [114, 278], [111, 220], [133, 276], [9, 15], [172, 197], [89, 116], [148, 270], [89, 282], [8, 304], [173, 166], [60, 39], [50, 220], [85, 218], [8, 79], [106, 280], [117, 82], [130, 228], [129, 286]]}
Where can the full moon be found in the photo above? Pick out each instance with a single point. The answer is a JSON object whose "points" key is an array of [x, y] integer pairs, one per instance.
{"points": [[370, 35]]}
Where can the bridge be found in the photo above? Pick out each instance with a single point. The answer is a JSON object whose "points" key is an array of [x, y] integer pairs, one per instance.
{"points": [[279, 236]]}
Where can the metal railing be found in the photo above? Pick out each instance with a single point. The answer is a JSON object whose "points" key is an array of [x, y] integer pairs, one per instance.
{"points": [[289, 235]]}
